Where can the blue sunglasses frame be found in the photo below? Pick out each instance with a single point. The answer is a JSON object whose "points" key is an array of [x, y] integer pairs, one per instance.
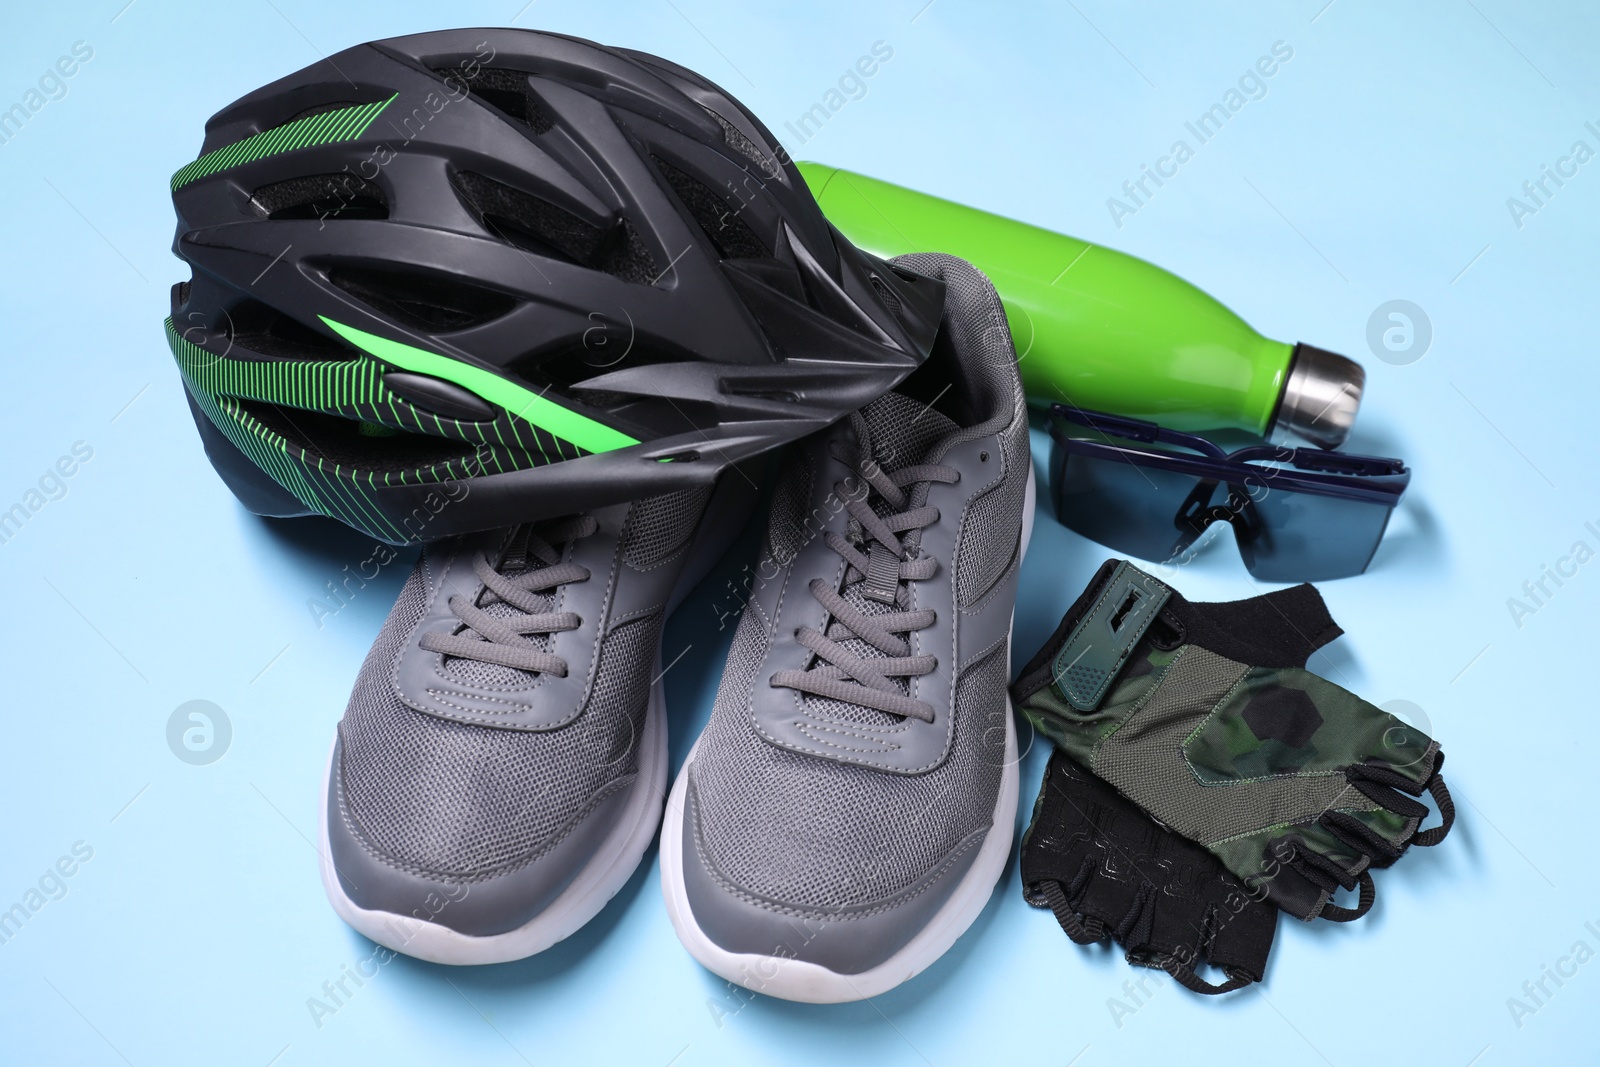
{"points": [[1250, 475], [1369, 479]]}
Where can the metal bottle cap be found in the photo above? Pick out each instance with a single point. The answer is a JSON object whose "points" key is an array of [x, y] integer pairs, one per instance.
{"points": [[1320, 399]]}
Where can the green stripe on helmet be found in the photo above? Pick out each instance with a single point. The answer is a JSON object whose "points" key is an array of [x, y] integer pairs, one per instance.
{"points": [[330, 127], [354, 389], [561, 422]]}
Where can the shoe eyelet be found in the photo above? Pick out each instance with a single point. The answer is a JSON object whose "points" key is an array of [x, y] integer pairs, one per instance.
{"points": [[983, 457]]}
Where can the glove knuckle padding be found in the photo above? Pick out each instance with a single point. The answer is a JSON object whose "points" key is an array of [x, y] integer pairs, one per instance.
{"points": [[1151, 757]]}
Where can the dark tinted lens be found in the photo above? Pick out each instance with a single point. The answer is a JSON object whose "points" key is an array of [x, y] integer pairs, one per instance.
{"points": [[1304, 537], [1122, 505]]}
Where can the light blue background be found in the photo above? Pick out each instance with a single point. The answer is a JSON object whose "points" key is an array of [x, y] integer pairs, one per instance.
{"points": [[1377, 167]]}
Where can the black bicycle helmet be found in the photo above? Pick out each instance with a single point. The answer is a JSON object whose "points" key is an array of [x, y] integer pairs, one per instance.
{"points": [[456, 280]]}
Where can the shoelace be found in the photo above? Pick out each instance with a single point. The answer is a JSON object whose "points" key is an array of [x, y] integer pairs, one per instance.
{"points": [[504, 640], [885, 562]]}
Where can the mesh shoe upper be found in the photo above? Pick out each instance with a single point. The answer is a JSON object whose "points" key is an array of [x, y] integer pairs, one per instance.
{"points": [[822, 835], [463, 798], [815, 833]]}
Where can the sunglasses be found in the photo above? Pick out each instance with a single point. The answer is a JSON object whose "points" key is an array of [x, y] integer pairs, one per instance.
{"points": [[1298, 514]]}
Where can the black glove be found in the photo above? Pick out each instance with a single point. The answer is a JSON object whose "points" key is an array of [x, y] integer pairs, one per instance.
{"points": [[1205, 717], [1108, 870]]}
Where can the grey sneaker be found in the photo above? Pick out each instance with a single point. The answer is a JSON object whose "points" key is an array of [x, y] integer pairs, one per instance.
{"points": [[849, 808], [501, 766]]}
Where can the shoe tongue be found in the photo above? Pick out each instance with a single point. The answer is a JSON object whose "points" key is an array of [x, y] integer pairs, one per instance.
{"points": [[900, 430]]}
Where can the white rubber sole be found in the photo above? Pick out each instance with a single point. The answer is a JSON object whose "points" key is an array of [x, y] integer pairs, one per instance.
{"points": [[600, 880], [811, 983]]}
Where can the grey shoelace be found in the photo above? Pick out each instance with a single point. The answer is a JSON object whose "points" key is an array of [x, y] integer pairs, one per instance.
{"points": [[504, 639], [884, 562]]}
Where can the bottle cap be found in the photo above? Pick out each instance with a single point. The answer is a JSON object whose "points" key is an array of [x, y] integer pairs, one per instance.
{"points": [[1320, 398]]}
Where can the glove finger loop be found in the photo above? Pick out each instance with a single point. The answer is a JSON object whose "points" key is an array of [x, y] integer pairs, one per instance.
{"points": [[1447, 811], [1380, 793], [1369, 893], [1071, 925], [1324, 877], [1377, 772], [1080, 881], [1136, 926], [1184, 975], [1359, 836]]}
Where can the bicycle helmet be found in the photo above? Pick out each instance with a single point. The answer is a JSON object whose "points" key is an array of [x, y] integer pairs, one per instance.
{"points": [[457, 280]]}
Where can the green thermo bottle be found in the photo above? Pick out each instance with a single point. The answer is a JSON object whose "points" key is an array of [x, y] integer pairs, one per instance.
{"points": [[1106, 331]]}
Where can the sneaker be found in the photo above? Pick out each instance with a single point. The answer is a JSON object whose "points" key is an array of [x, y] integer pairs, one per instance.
{"points": [[850, 806], [500, 769]]}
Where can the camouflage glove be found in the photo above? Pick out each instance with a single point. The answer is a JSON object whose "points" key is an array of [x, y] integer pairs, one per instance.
{"points": [[1108, 870], [1203, 715]]}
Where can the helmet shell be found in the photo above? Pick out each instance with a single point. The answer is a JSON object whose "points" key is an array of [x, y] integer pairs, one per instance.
{"points": [[455, 280]]}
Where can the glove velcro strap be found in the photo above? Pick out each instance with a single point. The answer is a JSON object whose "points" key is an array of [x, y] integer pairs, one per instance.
{"points": [[1278, 629], [1100, 642]]}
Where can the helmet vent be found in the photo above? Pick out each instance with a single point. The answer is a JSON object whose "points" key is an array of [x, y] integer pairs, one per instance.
{"points": [[540, 227], [318, 109], [506, 91], [321, 196], [731, 234], [890, 298], [272, 123], [736, 140], [343, 441], [431, 302], [256, 327]]}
